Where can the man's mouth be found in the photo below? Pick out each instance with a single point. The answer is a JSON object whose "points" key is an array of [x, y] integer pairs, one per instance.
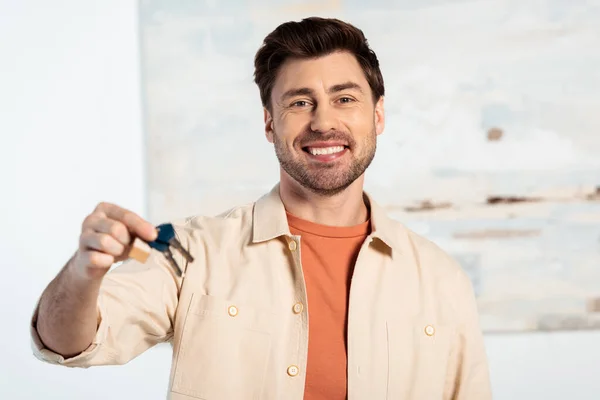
{"points": [[319, 151], [325, 153]]}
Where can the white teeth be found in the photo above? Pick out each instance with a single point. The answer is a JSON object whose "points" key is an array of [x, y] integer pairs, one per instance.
{"points": [[317, 151]]}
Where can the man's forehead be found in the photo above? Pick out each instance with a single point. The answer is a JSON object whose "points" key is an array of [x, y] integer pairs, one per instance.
{"points": [[327, 65], [323, 72]]}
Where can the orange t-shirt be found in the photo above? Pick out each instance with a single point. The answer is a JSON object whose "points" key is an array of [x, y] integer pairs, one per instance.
{"points": [[328, 255]]}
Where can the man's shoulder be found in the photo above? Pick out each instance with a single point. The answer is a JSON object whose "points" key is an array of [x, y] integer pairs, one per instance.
{"points": [[236, 217]]}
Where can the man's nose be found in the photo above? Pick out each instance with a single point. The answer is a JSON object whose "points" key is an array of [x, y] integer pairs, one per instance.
{"points": [[324, 119]]}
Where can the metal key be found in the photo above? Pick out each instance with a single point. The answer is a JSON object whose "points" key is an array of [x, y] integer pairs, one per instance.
{"points": [[166, 239], [166, 250], [166, 234], [163, 243]]}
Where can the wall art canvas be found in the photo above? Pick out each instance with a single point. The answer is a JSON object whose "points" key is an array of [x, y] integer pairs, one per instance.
{"points": [[491, 148]]}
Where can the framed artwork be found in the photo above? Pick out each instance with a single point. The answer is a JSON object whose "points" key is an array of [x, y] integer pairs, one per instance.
{"points": [[491, 147]]}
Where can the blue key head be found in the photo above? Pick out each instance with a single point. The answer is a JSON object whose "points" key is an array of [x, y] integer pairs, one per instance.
{"points": [[159, 245], [166, 232]]}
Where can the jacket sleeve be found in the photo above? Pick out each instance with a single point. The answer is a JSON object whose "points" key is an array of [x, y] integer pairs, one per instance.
{"points": [[468, 373], [136, 308]]}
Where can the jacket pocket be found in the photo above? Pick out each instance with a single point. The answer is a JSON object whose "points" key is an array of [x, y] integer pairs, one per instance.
{"points": [[224, 350], [418, 359]]}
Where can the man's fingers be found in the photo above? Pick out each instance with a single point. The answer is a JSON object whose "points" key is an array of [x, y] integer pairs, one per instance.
{"points": [[94, 263], [101, 242], [114, 228], [134, 223], [106, 236]]}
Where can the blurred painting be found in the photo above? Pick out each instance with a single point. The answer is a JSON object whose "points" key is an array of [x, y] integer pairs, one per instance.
{"points": [[491, 147]]}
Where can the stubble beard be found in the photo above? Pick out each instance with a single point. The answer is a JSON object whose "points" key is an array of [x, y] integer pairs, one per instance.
{"points": [[331, 178]]}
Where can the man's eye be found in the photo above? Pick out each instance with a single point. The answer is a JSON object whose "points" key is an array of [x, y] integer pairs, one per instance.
{"points": [[300, 103], [346, 100]]}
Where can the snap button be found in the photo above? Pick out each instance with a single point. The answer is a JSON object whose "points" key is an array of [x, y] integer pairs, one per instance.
{"points": [[429, 330], [232, 311], [292, 245], [298, 307]]}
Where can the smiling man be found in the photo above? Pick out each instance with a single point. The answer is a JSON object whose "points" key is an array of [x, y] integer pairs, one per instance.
{"points": [[311, 292]]}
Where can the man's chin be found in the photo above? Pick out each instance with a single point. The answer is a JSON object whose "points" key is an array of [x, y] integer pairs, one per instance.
{"points": [[328, 191], [326, 187]]}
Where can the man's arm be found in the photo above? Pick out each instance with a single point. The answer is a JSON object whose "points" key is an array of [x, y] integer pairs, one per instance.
{"points": [[468, 370], [68, 314]]}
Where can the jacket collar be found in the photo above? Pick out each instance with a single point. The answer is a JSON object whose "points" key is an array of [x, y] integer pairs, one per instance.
{"points": [[270, 220]]}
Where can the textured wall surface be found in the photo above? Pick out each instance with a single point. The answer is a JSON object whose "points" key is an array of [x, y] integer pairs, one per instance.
{"points": [[492, 144]]}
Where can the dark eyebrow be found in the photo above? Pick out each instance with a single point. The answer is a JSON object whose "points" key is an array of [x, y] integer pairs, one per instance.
{"points": [[333, 89], [297, 92], [345, 86]]}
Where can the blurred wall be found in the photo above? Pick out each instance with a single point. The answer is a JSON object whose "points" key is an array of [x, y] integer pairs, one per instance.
{"points": [[71, 130], [71, 136], [486, 101]]}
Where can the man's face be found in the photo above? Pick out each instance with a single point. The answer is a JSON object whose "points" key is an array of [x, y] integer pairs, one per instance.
{"points": [[324, 123]]}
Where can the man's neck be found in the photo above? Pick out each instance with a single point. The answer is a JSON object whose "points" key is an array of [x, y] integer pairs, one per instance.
{"points": [[346, 208]]}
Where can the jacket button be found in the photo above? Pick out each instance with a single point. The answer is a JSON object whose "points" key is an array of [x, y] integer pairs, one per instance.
{"points": [[298, 307], [429, 330], [232, 311], [292, 245], [293, 370]]}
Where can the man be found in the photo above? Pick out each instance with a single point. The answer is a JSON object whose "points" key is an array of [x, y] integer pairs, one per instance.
{"points": [[311, 292]]}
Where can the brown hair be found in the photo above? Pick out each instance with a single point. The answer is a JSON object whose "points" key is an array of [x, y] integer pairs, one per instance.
{"points": [[310, 38]]}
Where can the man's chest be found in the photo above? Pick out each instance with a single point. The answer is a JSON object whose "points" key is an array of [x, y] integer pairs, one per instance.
{"points": [[243, 329]]}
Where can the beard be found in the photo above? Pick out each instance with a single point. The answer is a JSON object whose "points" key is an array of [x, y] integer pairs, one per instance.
{"points": [[326, 179]]}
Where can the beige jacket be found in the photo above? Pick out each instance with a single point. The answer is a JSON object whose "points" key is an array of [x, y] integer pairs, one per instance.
{"points": [[238, 319]]}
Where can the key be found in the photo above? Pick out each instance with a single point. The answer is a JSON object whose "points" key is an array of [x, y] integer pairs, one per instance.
{"points": [[166, 250], [166, 234], [165, 240]]}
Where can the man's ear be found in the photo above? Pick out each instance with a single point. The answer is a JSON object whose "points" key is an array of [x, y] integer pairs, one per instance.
{"points": [[268, 125], [379, 116]]}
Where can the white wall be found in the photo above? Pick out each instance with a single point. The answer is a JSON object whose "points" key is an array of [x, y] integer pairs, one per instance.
{"points": [[70, 124]]}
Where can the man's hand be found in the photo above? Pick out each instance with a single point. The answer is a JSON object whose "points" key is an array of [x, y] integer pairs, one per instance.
{"points": [[106, 237], [68, 314]]}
